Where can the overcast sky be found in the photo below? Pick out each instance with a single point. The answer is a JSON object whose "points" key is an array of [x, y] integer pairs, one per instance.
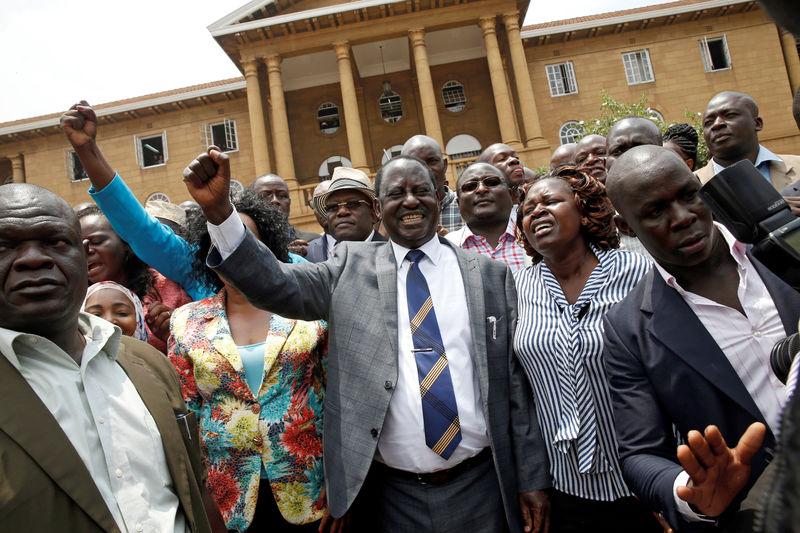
{"points": [[56, 53]]}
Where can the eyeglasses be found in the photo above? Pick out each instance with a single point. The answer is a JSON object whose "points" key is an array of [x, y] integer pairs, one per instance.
{"points": [[352, 205], [488, 182]]}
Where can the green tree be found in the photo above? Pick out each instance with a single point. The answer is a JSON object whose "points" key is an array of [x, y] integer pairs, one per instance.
{"points": [[612, 110]]}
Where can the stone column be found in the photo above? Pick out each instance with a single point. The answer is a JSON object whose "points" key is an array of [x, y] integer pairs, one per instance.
{"points": [[17, 169], [258, 130], [427, 95], [352, 120], [284, 163], [527, 102], [791, 59], [502, 98]]}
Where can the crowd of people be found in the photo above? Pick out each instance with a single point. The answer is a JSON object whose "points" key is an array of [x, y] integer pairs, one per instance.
{"points": [[578, 350]]}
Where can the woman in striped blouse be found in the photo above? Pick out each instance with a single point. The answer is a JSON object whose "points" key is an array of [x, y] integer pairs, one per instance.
{"points": [[565, 223]]}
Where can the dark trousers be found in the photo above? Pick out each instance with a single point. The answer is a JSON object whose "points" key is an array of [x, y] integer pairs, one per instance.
{"points": [[469, 503], [573, 514], [268, 517]]}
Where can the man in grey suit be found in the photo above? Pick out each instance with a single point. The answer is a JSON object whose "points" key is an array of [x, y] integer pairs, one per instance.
{"points": [[484, 473]]}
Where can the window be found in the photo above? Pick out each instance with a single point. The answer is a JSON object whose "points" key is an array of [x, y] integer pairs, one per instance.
{"points": [[637, 67], [462, 146], [453, 95], [570, 132], [714, 53], [223, 135], [152, 151], [394, 151], [561, 78], [328, 117], [391, 107], [159, 196], [327, 166], [654, 115], [75, 171]]}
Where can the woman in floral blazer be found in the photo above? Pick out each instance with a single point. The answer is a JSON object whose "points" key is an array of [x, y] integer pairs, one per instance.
{"points": [[261, 432]]}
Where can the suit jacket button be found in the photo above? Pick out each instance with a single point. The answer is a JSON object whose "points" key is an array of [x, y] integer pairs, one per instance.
{"points": [[373, 432], [387, 385], [257, 440]]}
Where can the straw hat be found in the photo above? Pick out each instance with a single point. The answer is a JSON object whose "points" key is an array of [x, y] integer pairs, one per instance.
{"points": [[344, 178]]}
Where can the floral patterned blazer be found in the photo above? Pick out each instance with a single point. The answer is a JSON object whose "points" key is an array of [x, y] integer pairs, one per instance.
{"points": [[281, 428]]}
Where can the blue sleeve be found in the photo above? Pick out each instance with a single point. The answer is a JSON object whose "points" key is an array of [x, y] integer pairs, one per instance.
{"points": [[153, 242]]}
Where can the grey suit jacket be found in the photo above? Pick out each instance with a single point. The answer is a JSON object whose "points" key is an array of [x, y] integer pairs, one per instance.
{"points": [[782, 174], [317, 250], [356, 291], [44, 485]]}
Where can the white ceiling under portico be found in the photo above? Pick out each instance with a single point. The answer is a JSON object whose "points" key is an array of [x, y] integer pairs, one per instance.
{"points": [[444, 46]]}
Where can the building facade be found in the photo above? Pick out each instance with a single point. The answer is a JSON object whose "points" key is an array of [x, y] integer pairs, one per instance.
{"points": [[346, 83]]}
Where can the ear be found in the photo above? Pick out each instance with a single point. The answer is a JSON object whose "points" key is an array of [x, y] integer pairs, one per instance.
{"points": [[690, 163], [444, 164], [623, 226], [759, 123], [376, 207], [374, 212]]}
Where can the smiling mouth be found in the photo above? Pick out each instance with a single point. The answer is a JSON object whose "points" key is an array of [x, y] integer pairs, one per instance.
{"points": [[412, 217]]}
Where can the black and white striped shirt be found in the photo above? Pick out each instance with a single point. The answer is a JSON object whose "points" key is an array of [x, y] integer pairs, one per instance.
{"points": [[560, 347]]}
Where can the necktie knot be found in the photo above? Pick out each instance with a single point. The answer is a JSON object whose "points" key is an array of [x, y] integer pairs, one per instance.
{"points": [[415, 255]]}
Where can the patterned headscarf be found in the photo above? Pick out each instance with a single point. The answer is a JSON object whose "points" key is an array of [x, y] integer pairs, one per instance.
{"points": [[140, 332]]}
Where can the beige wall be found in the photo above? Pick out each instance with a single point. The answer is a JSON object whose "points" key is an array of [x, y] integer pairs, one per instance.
{"points": [[680, 81]]}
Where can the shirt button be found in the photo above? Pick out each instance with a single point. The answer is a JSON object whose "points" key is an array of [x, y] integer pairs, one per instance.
{"points": [[139, 528], [756, 333], [118, 473], [101, 420]]}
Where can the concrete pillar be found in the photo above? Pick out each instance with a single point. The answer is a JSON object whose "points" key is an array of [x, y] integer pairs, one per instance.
{"points": [[791, 59], [258, 129], [430, 111], [284, 163], [352, 120], [17, 169], [527, 101], [502, 98]]}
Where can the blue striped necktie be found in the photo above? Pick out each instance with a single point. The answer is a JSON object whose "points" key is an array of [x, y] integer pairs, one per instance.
{"points": [[439, 409]]}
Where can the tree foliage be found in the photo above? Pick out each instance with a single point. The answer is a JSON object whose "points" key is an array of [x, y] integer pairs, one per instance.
{"points": [[612, 110]]}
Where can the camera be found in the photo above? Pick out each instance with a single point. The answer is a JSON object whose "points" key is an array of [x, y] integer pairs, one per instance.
{"points": [[755, 213]]}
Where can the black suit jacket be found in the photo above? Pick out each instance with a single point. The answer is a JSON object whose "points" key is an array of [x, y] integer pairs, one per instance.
{"points": [[317, 250], [666, 371]]}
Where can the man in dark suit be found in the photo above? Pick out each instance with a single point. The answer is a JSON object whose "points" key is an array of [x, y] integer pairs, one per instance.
{"points": [[94, 434], [689, 347], [426, 441], [347, 207]]}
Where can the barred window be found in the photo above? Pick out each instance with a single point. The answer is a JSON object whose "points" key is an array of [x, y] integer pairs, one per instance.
{"points": [[453, 95], [637, 67], [391, 107], [570, 132], [328, 117], [561, 78]]}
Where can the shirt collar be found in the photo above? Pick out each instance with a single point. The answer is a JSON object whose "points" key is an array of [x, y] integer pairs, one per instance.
{"points": [[764, 155], [432, 249], [509, 231], [449, 197], [737, 249], [99, 334]]}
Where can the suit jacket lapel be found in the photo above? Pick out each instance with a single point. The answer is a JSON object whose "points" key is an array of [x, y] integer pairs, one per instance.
{"points": [[27, 421], [473, 287], [155, 398], [678, 328], [386, 271]]}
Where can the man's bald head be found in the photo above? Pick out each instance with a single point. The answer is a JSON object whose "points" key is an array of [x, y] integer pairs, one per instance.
{"points": [[563, 155], [273, 189], [427, 149], [730, 127], [637, 165], [43, 264], [627, 133]]}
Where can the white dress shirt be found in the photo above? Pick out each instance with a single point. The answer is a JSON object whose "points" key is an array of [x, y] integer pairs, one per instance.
{"points": [[746, 340], [105, 420], [402, 441]]}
